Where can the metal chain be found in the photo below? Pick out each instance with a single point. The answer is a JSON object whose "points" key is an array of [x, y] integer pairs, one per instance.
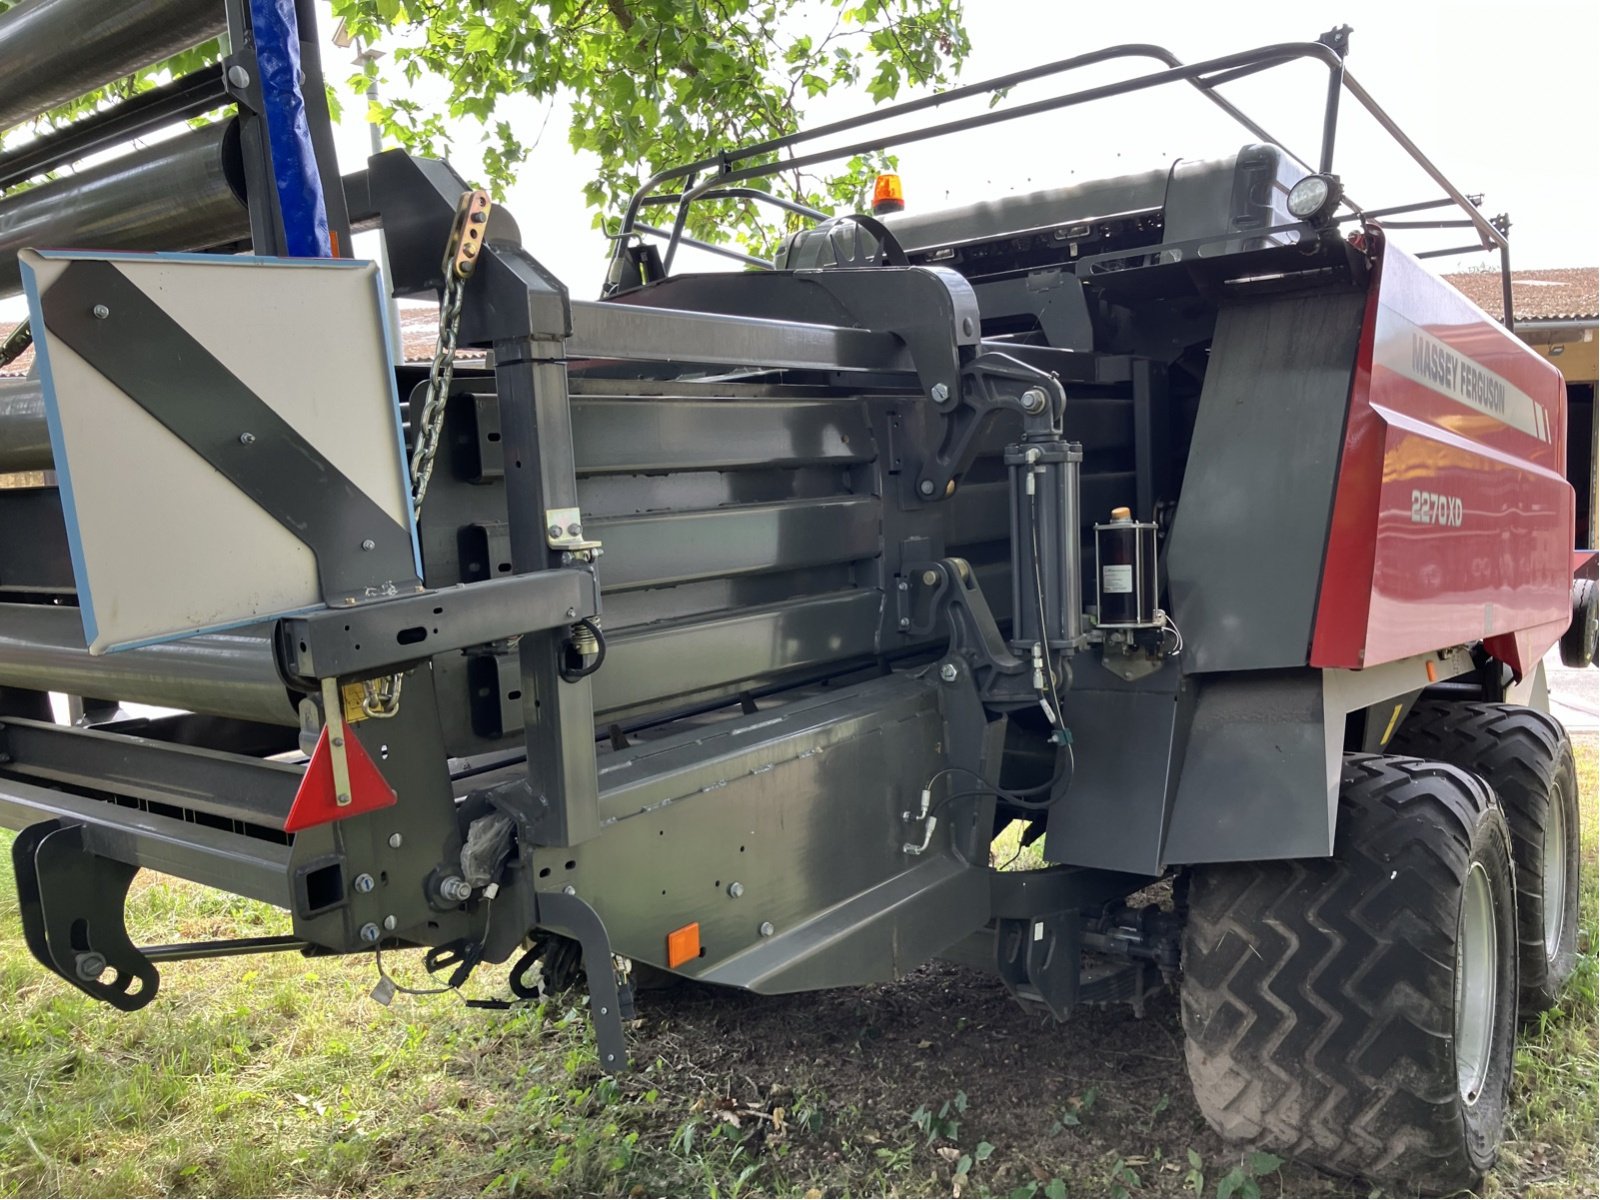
{"points": [[380, 698], [18, 340], [438, 394]]}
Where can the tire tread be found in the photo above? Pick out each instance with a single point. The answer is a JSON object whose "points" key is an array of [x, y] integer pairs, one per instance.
{"points": [[1523, 754], [1314, 1025]]}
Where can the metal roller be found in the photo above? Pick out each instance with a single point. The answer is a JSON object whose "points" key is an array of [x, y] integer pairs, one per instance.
{"points": [[24, 436], [182, 194], [57, 50], [225, 674]]}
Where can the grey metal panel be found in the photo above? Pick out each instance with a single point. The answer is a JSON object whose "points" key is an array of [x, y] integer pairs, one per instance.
{"points": [[173, 195], [256, 791], [800, 806], [615, 435], [57, 50], [1244, 560], [601, 330], [988, 219], [1261, 777], [34, 556], [1128, 743], [675, 547], [978, 512], [879, 933], [1255, 779], [1247, 192], [645, 777], [650, 664], [228, 674], [243, 866], [24, 436]]}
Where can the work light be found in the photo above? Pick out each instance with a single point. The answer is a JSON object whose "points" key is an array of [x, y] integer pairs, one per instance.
{"points": [[1314, 198]]}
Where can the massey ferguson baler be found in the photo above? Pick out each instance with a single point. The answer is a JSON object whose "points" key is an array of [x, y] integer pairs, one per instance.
{"points": [[719, 627]]}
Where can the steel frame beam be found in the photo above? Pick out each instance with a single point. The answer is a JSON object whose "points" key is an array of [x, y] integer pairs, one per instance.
{"points": [[252, 867]]}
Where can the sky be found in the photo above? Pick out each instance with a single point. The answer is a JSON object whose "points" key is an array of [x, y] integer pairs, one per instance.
{"points": [[1504, 99]]}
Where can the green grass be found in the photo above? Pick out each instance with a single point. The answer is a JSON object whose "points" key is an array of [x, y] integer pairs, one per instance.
{"points": [[1551, 1135], [277, 1076]]}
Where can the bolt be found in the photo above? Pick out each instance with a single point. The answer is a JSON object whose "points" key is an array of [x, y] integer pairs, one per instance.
{"points": [[604, 1010], [91, 966], [736, 889], [101, 312], [948, 672], [903, 586], [574, 529], [365, 883], [966, 326], [927, 487], [343, 798], [389, 923], [767, 929], [453, 887], [569, 890], [368, 544], [396, 841], [1034, 400], [338, 741], [554, 531], [905, 622], [247, 438], [238, 76], [940, 393], [929, 578], [370, 932], [571, 613]]}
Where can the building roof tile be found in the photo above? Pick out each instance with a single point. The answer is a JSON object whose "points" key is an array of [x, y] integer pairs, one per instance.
{"points": [[1557, 294]]}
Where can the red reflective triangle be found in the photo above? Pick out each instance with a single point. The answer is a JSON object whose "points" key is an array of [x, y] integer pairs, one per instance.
{"points": [[316, 803]]}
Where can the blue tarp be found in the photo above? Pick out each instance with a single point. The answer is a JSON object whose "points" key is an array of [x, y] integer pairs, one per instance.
{"points": [[294, 162]]}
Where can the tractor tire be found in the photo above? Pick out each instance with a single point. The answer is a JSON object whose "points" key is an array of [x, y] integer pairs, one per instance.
{"points": [[1578, 647], [1358, 1013], [1526, 757]]}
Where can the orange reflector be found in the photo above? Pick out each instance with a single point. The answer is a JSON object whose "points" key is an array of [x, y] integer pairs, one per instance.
{"points": [[1433, 672], [683, 944], [887, 195]]}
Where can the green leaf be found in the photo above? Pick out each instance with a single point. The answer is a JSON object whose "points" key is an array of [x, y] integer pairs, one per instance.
{"points": [[1262, 1163], [983, 1151], [1229, 1184], [1055, 1190], [653, 84]]}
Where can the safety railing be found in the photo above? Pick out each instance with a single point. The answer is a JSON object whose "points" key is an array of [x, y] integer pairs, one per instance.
{"points": [[735, 166]]}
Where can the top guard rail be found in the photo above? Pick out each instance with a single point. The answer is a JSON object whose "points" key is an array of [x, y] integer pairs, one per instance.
{"points": [[739, 165]]}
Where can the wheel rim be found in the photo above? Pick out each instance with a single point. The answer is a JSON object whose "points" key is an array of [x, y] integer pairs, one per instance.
{"points": [[1477, 981], [1555, 875]]}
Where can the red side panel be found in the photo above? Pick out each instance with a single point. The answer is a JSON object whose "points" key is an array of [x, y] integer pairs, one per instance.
{"points": [[1452, 519]]}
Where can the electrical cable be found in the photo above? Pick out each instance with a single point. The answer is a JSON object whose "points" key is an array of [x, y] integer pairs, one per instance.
{"points": [[1177, 634], [593, 626], [1044, 635], [377, 954]]}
